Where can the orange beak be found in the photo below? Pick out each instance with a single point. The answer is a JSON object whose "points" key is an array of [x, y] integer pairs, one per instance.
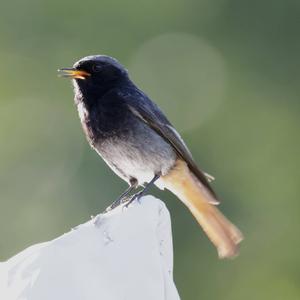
{"points": [[73, 73]]}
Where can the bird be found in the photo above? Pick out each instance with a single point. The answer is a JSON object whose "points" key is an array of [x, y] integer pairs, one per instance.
{"points": [[137, 141]]}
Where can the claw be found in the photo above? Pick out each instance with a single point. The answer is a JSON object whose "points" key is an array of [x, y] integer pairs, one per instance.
{"points": [[136, 196]]}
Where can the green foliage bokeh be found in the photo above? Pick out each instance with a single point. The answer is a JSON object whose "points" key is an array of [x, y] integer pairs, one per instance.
{"points": [[226, 72]]}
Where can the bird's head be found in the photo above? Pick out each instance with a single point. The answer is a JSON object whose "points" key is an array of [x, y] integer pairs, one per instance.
{"points": [[95, 73]]}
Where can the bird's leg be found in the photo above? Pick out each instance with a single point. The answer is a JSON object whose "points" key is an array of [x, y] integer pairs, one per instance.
{"points": [[119, 200], [138, 195]]}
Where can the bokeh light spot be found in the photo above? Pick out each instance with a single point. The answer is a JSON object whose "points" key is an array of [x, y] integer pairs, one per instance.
{"points": [[184, 74]]}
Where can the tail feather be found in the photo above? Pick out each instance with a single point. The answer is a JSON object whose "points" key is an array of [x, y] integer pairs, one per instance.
{"points": [[222, 233]]}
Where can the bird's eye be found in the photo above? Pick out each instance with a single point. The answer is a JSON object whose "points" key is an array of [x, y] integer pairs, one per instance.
{"points": [[97, 68]]}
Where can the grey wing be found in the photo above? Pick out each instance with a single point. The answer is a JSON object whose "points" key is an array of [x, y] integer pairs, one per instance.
{"points": [[149, 112]]}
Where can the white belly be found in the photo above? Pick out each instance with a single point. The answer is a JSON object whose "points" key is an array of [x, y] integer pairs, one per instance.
{"points": [[127, 162]]}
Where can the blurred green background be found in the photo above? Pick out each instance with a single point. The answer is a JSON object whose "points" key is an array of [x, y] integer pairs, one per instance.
{"points": [[226, 72]]}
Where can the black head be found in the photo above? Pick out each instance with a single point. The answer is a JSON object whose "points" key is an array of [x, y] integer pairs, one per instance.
{"points": [[95, 74]]}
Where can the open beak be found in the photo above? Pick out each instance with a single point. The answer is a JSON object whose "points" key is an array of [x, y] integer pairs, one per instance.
{"points": [[73, 73]]}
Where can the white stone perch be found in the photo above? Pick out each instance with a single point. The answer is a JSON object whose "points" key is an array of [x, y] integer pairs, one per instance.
{"points": [[125, 254]]}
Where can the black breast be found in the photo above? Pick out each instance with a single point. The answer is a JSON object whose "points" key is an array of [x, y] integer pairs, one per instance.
{"points": [[106, 117]]}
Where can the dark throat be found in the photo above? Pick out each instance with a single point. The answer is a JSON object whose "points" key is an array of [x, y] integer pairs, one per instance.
{"points": [[92, 94], [107, 113]]}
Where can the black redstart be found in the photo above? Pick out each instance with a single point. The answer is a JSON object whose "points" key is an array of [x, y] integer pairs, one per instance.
{"points": [[140, 145]]}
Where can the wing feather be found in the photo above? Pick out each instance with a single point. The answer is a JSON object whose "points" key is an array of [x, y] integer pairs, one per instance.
{"points": [[149, 113]]}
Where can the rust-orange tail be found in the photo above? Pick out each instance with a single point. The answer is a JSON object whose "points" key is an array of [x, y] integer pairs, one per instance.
{"points": [[223, 234]]}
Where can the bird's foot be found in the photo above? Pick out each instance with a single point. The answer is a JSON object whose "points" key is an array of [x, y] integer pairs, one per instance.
{"points": [[123, 196], [136, 196], [116, 203]]}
